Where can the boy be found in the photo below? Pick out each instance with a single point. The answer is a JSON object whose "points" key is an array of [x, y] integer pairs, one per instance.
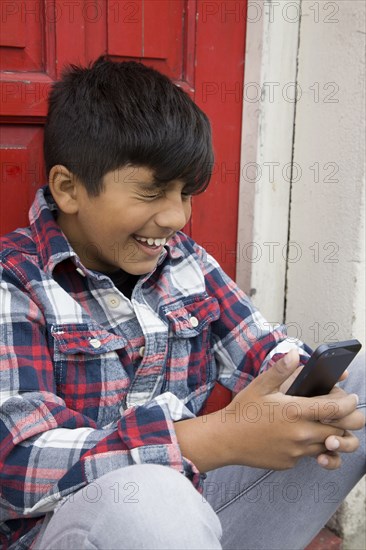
{"points": [[116, 327]]}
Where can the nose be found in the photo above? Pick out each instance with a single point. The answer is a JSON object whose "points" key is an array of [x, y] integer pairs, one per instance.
{"points": [[174, 213]]}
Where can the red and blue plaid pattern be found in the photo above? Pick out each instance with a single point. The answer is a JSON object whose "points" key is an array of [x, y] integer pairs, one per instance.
{"points": [[87, 388]]}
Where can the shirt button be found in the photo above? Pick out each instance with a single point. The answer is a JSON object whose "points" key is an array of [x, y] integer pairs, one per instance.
{"points": [[194, 322], [113, 301], [142, 351], [95, 343]]}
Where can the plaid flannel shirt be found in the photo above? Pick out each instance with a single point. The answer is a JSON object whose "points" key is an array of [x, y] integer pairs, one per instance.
{"points": [[92, 381]]}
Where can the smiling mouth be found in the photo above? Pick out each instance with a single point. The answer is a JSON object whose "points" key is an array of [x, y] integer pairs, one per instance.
{"points": [[150, 242]]}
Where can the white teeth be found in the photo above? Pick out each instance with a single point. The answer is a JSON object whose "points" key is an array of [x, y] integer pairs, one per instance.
{"points": [[150, 241]]}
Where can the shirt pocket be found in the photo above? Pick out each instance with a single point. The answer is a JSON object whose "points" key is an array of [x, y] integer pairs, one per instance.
{"points": [[190, 362], [88, 362]]}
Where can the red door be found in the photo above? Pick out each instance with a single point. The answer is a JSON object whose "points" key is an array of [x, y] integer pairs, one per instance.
{"points": [[200, 44]]}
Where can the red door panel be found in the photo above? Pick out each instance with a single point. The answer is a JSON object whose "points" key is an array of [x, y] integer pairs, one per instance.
{"points": [[219, 76], [22, 170], [21, 37], [148, 31]]}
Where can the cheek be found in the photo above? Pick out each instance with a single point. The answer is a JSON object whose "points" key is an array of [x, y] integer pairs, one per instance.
{"points": [[101, 230], [93, 219]]}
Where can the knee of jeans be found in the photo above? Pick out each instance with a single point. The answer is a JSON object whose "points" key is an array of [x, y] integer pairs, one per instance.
{"points": [[133, 483], [145, 484], [156, 497], [140, 506]]}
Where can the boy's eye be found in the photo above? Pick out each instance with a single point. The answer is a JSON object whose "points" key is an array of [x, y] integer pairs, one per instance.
{"points": [[151, 195]]}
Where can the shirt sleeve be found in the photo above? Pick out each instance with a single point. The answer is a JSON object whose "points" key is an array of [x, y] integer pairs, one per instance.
{"points": [[49, 451], [244, 343]]}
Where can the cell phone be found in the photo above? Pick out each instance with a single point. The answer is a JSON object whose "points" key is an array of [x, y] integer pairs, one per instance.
{"points": [[324, 368]]}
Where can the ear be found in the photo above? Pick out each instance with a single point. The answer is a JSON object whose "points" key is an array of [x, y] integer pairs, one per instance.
{"points": [[64, 188]]}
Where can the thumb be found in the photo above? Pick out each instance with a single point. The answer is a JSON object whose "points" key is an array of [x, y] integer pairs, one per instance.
{"points": [[271, 380]]}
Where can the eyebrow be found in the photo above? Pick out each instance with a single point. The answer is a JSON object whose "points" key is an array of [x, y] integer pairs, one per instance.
{"points": [[149, 183], [146, 185], [140, 183], [153, 185]]}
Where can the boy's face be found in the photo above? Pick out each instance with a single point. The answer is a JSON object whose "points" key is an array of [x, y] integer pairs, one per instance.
{"points": [[128, 223]]}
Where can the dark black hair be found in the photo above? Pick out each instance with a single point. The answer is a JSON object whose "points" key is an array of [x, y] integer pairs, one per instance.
{"points": [[111, 114]]}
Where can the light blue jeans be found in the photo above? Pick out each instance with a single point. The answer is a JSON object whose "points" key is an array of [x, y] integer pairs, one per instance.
{"points": [[154, 507]]}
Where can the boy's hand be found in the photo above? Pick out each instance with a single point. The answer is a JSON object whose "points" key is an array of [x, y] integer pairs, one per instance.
{"points": [[347, 443], [331, 459], [264, 428], [289, 427]]}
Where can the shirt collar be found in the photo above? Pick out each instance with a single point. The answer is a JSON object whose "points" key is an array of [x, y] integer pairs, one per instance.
{"points": [[51, 243], [172, 249]]}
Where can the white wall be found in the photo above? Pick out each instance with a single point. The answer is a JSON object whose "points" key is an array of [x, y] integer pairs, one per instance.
{"points": [[268, 115], [326, 286]]}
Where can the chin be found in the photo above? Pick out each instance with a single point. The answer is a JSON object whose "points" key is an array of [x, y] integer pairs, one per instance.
{"points": [[141, 269]]}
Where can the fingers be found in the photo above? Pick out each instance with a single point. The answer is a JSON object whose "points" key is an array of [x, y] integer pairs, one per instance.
{"points": [[272, 379], [331, 459], [287, 383], [348, 443], [328, 408], [354, 421], [344, 375]]}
